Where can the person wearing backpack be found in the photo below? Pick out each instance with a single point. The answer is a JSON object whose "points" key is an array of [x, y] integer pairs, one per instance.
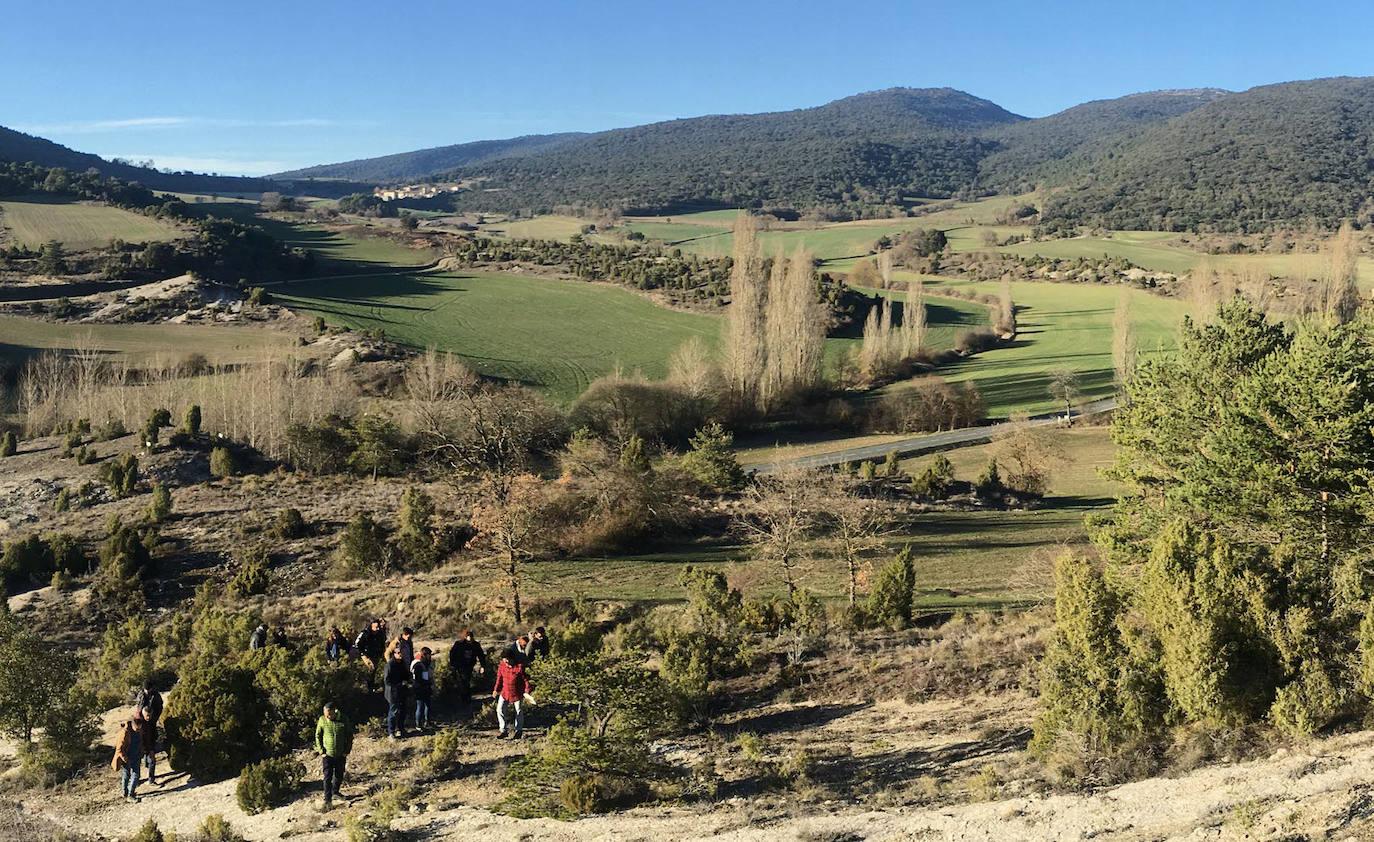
{"points": [[147, 711]]}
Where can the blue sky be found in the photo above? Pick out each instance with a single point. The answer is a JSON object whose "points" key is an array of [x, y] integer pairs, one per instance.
{"points": [[254, 87]]}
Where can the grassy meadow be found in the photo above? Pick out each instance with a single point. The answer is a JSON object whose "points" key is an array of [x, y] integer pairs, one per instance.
{"points": [[21, 338], [554, 335], [32, 221], [342, 251], [964, 558], [1060, 326]]}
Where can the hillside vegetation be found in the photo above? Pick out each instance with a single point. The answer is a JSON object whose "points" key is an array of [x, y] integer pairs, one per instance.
{"points": [[1205, 159]]}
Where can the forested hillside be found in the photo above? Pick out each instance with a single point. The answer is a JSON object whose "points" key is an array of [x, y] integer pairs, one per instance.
{"points": [[23, 148], [1290, 153], [423, 162], [1294, 153], [1066, 144]]}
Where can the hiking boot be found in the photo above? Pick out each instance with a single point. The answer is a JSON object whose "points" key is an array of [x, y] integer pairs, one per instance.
{"points": [[501, 735], [519, 735]]}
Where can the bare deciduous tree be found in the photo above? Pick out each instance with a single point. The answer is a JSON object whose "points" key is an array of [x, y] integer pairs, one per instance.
{"points": [[1064, 388], [744, 320], [780, 519], [1123, 341], [1340, 291], [856, 525]]}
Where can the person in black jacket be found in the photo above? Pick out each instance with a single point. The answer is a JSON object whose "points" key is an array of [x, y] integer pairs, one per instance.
{"points": [[539, 644], [397, 675], [371, 643], [147, 712], [422, 682], [465, 656]]}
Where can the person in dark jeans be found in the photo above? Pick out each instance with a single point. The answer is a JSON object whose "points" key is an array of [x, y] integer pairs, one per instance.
{"points": [[422, 681], [465, 656], [397, 674], [147, 711], [333, 742]]}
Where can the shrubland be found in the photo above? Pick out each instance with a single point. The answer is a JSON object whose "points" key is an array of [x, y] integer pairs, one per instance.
{"points": [[1230, 591]]}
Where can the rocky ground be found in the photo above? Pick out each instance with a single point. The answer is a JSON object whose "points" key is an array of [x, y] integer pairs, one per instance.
{"points": [[1318, 791]]}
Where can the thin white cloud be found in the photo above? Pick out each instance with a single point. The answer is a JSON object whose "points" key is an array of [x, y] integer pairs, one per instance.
{"points": [[161, 123], [223, 166]]}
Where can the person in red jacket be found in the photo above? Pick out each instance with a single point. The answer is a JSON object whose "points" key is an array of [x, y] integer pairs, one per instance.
{"points": [[512, 685]]}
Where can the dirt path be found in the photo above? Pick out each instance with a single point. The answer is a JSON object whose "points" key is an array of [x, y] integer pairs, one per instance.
{"points": [[1321, 791]]}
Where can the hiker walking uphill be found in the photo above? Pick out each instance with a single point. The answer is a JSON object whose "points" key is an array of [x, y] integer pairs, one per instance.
{"points": [[335, 645], [397, 675], [512, 685], [333, 742], [147, 711], [465, 656], [422, 681], [371, 643], [258, 639], [126, 759], [539, 644]]}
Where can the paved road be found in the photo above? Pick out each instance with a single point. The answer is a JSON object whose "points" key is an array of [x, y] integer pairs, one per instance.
{"points": [[921, 444]]}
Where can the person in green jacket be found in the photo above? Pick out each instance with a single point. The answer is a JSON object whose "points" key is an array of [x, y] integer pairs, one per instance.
{"points": [[333, 742]]}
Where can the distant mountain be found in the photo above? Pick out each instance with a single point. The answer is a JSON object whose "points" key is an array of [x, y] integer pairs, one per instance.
{"points": [[1062, 145], [1291, 153], [404, 166], [17, 146], [872, 148], [865, 150]]}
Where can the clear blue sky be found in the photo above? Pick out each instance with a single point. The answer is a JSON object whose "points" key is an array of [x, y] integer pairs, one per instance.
{"points": [[253, 87]]}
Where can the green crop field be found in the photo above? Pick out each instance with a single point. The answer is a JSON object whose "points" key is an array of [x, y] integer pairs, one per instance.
{"points": [[32, 221], [550, 227], [345, 251], [21, 338], [1060, 326], [554, 335]]}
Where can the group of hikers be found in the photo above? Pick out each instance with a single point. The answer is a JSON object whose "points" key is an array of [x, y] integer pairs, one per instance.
{"points": [[138, 742], [406, 673]]}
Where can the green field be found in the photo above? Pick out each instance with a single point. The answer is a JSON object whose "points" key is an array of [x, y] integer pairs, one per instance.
{"points": [[972, 558], [21, 338], [346, 251], [554, 335], [32, 221], [1059, 326]]}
